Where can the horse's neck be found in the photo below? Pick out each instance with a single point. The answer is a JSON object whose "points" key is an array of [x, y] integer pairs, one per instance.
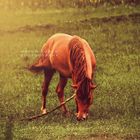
{"points": [[80, 60]]}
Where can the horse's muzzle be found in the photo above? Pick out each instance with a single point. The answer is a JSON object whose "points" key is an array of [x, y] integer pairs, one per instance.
{"points": [[81, 117]]}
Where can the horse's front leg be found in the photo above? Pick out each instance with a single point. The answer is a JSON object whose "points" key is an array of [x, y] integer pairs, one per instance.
{"points": [[47, 78]]}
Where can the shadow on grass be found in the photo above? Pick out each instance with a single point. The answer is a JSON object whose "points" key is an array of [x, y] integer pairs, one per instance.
{"points": [[8, 128]]}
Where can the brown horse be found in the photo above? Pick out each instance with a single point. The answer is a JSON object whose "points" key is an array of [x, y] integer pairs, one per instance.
{"points": [[72, 57]]}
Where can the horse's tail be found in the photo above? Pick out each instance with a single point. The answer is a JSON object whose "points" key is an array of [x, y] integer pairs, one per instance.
{"points": [[37, 67]]}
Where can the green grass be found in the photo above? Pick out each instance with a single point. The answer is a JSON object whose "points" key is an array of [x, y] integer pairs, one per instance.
{"points": [[115, 111]]}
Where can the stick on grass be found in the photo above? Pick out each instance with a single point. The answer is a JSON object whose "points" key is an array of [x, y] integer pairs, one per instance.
{"points": [[41, 115]]}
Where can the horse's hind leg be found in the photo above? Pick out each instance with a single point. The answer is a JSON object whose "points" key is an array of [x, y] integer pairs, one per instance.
{"points": [[47, 78], [60, 91]]}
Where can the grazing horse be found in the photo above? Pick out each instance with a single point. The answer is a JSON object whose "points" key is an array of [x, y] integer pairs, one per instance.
{"points": [[73, 58]]}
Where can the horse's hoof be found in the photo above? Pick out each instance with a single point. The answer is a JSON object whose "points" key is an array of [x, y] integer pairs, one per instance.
{"points": [[44, 111], [75, 114]]}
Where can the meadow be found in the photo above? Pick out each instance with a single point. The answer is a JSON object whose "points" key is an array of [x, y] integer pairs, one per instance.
{"points": [[113, 32]]}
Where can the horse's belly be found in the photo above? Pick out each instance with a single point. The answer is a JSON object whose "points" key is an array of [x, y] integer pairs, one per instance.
{"points": [[62, 68]]}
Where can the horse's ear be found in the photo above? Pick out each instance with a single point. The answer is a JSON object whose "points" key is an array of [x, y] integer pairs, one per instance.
{"points": [[93, 86], [74, 86]]}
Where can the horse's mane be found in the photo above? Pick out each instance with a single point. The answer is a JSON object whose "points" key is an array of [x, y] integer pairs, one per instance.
{"points": [[79, 65], [78, 59]]}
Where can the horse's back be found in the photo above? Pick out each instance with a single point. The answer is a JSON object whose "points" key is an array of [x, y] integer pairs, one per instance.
{"points": [[58, 53]]}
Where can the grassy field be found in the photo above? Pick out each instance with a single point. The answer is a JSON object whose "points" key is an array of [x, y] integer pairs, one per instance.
{"points": [[114, 35]]}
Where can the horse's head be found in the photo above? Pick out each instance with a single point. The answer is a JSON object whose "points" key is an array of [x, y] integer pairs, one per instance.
{"points": [[84, 98]]}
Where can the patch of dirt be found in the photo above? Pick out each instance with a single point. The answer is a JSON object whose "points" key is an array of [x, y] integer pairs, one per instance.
{"points": [[92, 137], [102, 137], [29, 28], [44, 27], [114, 19]]}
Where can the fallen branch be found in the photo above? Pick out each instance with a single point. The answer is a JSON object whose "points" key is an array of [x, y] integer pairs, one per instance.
{"points": [[41, 115]]}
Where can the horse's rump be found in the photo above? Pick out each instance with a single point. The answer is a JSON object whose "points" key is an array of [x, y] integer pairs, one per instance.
{"points": [[40, 63]]}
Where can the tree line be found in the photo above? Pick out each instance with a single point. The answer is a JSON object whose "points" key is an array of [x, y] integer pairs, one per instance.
{"points": [[62, 3]]}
